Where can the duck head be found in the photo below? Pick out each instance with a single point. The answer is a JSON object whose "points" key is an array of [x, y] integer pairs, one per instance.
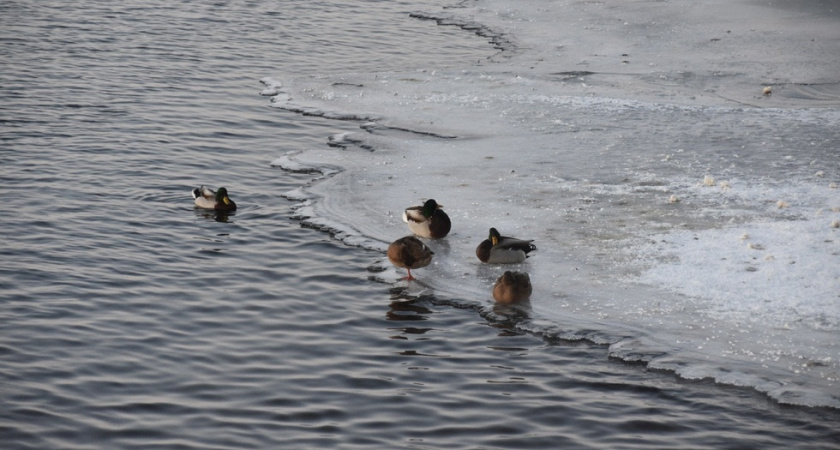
{"points": [[429, 207], [222, 196], [494, 237]]}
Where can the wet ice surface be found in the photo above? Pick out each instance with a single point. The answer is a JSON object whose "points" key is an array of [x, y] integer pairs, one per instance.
{"points": [[681, 215]]}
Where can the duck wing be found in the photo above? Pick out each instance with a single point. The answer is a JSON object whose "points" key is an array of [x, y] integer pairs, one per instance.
{"points": [[509, 243], [414, 214], [205, 192]]}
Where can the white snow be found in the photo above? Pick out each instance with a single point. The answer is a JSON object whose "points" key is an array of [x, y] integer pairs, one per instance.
{"points": [[682, 216]]}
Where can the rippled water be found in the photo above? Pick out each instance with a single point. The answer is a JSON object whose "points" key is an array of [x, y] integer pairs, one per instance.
{"points": [[128, 319]]}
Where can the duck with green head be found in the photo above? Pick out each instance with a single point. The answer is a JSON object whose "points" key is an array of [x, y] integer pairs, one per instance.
{"points": [[409, 253], [498, 249], [512, 287], [427, 220], [207, 198]]}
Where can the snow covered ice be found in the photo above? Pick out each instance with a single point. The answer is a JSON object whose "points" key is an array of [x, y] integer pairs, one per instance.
{"points": [[683, 214]]}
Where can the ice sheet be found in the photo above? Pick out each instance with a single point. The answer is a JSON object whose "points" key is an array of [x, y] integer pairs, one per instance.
{"points": [[682, 216]]}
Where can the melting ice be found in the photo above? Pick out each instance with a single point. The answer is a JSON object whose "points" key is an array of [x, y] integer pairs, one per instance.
{"points": [[684, 214]]}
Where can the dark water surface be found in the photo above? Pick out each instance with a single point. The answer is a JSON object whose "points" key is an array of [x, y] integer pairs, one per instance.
{"points": [[129, 320]]}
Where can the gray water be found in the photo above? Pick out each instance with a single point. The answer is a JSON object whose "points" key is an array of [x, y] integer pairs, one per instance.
{"points": [[128, 319]]}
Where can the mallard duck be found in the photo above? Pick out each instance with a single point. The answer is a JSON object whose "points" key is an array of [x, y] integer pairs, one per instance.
{"points": [[498, 249], [512, 287], [208, 199], [409, 253], [427, 220]]}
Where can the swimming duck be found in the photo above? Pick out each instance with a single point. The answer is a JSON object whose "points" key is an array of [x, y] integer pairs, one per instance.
{"points": [[498, 249], [208, 199], [409, 253], [512, 287], [427, 220]]}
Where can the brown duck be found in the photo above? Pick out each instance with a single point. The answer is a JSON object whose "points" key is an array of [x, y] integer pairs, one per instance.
{"points": [[409, 253], [512, 287]]}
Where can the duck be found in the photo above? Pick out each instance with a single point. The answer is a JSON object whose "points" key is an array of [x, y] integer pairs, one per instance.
{"points": [[427, 220], [207, 198], [512, 287], [498, 249], [409, 253]]}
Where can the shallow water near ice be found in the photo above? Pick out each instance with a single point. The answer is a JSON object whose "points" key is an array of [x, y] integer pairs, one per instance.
{"points": [[129, 319], [686, 209]]}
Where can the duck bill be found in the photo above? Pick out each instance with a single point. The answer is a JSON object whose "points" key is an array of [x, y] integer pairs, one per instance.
{"points": [[226, 200]]}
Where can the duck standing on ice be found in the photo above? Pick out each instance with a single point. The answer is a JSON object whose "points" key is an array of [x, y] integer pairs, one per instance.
{"points": [[498, 249], [427, 220], [409, 253]]}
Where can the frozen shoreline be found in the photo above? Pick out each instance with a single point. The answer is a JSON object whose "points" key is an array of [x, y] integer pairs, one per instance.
{"points": [[585, 162]]}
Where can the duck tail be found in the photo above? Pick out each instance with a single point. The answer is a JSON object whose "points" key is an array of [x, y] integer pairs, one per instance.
{"points": [[529, 249]]}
